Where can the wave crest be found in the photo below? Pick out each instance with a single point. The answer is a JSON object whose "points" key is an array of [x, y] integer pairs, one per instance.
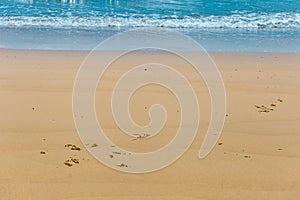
{"points": [[251, 20]]}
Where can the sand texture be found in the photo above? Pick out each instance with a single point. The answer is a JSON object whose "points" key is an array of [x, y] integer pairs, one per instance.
{"points": [[257, 156]]}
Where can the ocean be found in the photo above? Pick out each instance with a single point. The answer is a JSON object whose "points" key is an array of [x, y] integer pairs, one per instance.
{"points": [[218, 25]]}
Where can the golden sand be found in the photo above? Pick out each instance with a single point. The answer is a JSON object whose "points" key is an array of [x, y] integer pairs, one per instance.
{"points": [[257, 156]]}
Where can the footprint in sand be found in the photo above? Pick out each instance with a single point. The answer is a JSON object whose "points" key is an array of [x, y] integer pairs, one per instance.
{"points": [[266, 109], [263, 108], [71, 161], [94, 145], [73, 147], [122, 165], [140, 136]]}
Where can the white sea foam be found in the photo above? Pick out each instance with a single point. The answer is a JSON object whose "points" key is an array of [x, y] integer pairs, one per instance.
{"points": [[254, 20]]}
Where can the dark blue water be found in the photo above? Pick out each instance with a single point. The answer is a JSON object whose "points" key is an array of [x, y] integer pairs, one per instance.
{"points": [[221, 25]]}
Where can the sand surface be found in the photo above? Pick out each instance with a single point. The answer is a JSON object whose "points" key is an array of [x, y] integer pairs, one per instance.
{"points": [[257, 156]]}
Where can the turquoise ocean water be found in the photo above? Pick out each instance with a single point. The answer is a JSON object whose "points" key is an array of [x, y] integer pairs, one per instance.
{"points": [[219, 25]]}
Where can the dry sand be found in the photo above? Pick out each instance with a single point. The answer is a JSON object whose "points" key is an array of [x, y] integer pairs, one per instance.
{"points": [[257, 157]]}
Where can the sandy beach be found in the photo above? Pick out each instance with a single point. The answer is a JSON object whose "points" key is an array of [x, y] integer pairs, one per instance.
{"points": [[257, 156]]}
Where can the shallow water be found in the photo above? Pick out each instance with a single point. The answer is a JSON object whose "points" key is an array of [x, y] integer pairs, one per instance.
{"points": [[218, 25], [214, 40]]}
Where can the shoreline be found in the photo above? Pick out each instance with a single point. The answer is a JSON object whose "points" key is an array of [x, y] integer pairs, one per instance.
{"points": [[216, 53], [221, 40]]}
